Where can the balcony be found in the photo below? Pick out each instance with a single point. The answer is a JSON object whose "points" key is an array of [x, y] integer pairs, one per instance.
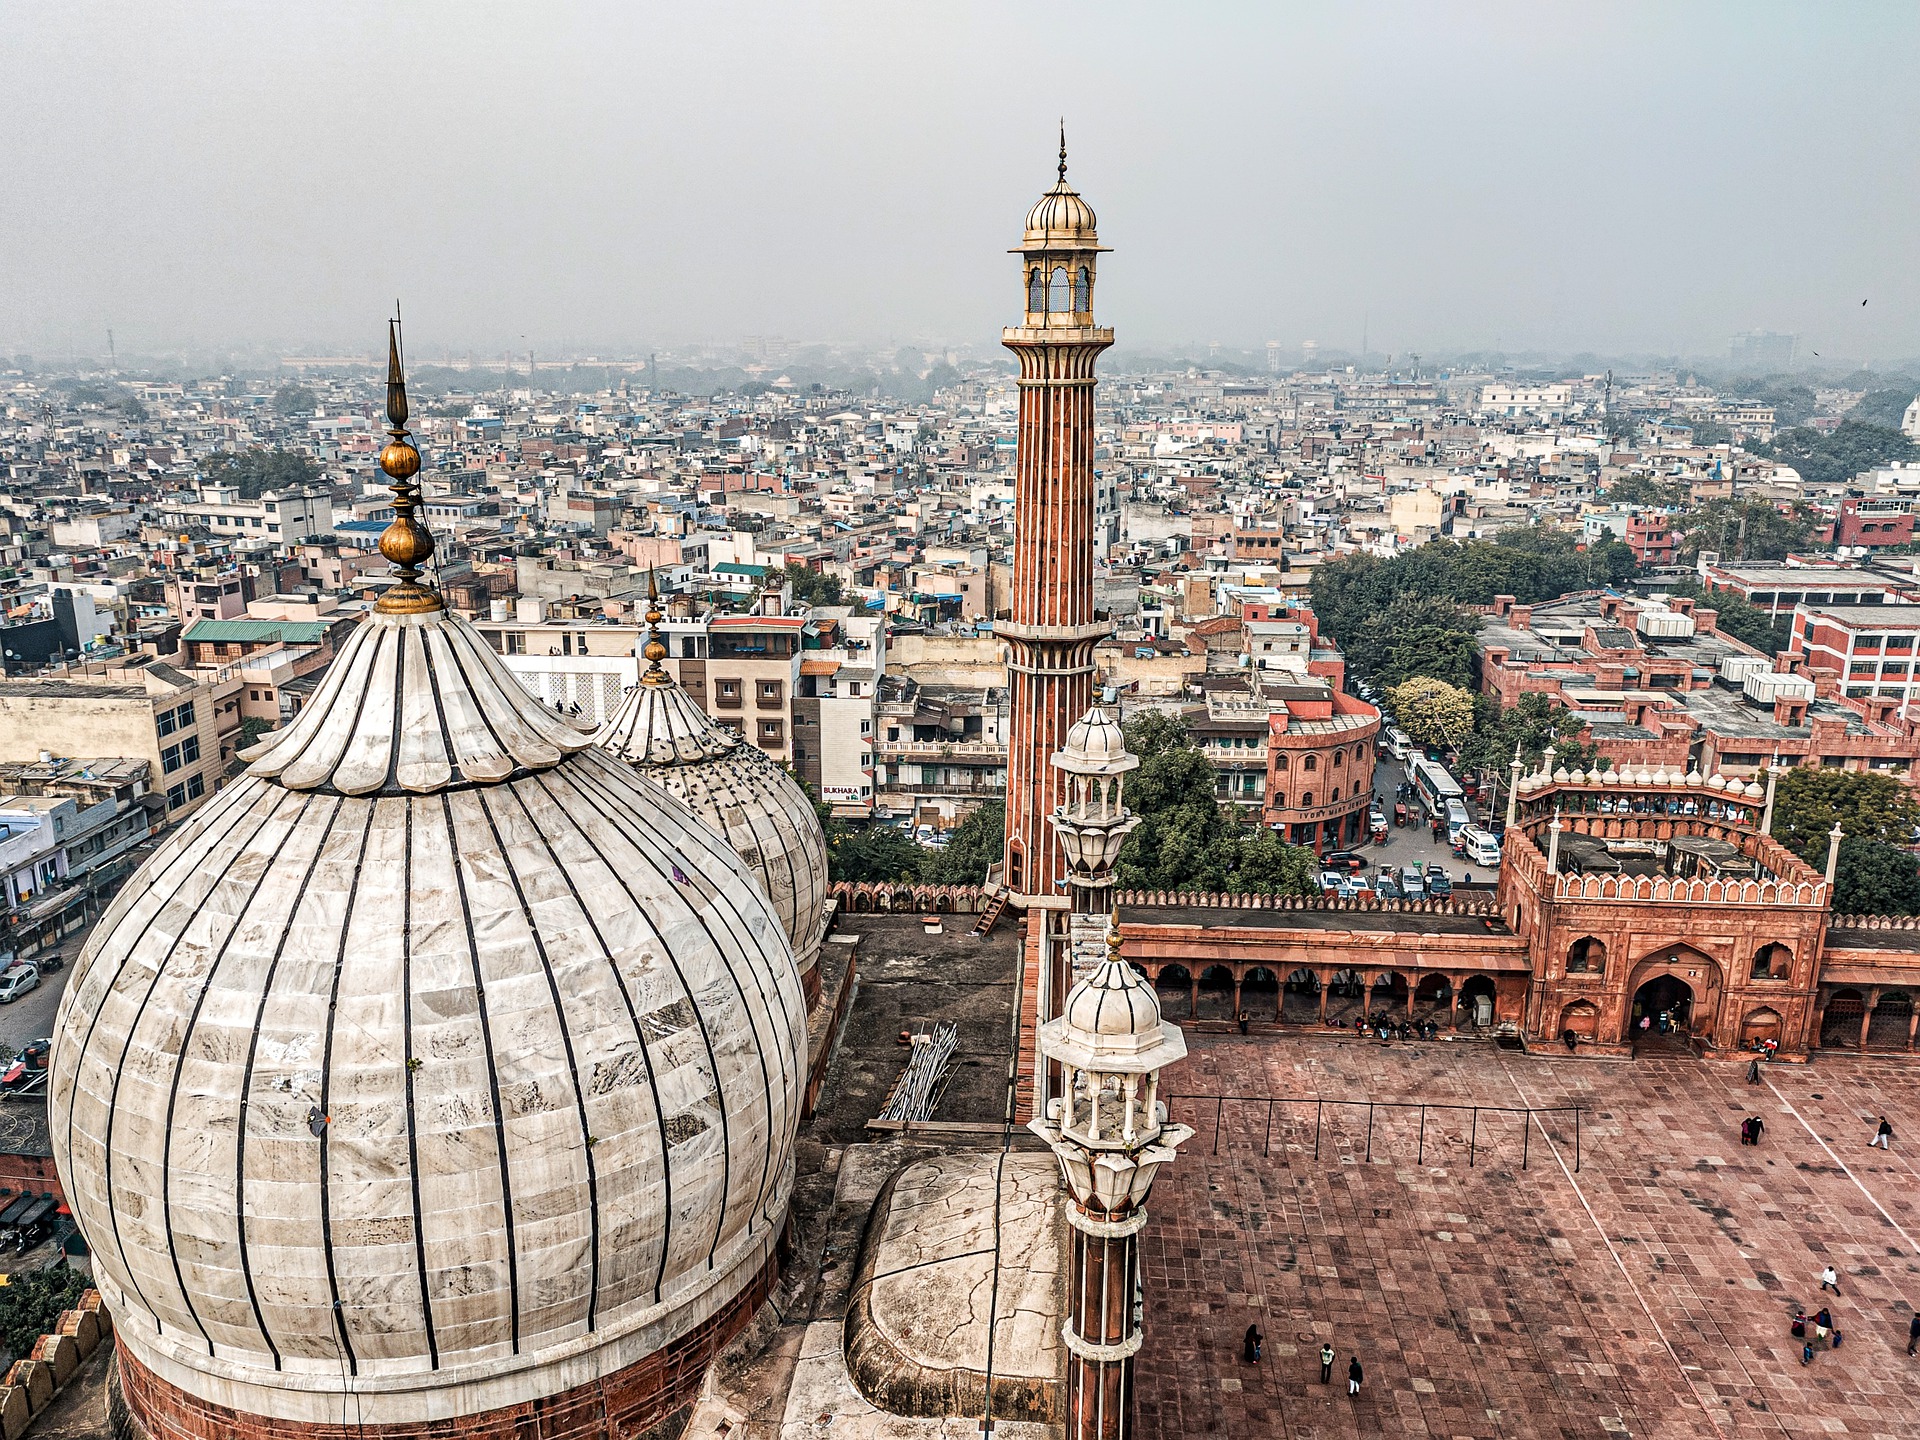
{"points": [[953, 751]]}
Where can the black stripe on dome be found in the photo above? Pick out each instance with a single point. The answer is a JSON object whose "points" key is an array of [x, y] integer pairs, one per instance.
{"points": [[639, 1034], [406, 1067], [326, 1093], [274, 800], [493, 1073], [566, 1035]]}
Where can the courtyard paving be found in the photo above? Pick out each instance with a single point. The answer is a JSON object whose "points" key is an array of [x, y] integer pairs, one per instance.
{"points": [[1648, 1294]]}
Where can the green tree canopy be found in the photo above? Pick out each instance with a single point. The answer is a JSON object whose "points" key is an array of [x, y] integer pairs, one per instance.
{"points": [[1875, 878], [872, 853], [814, 587], [256, 471], [975, 843], [1645, 490], [293, 398], [1432, 711], [1868, 805], [1835, 457], [1743, 530], [31, 1303], [1532, 723], [1884, 408], [1185, 839]]}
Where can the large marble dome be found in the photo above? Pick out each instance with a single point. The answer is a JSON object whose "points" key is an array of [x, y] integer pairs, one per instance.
{"points": [[738, 789], [438, 1065]]}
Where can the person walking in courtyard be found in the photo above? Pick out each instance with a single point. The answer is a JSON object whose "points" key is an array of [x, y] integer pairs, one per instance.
{"points": [[1354, 1376], [1753, 1072], [1250, 1350], [1883, 1136], [1830, 1279], [1326, 1354], [1756, 1128], [1913, 1332]]}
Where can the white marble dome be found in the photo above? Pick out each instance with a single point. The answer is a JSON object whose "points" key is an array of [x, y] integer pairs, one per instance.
{"points": [[742, 793], [438, 1063]]}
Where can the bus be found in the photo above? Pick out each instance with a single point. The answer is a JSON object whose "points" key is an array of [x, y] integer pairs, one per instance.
{"points": [[1434, 785]]}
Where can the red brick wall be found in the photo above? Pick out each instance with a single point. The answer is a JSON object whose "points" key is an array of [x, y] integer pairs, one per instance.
{"points": [[620, 1406]]}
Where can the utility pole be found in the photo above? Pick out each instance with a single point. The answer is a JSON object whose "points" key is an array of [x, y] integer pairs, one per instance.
{"points": [[113, 360]]}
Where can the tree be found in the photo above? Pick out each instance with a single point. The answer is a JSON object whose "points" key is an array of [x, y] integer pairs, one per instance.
{"points": [[1744, 530], [1884, 408], [294, 398], [1645, 490], [1835, 457], [1432, 711], [1809, 799], [975, 843], [1186, 840], [1875, 878], [872, 853], [31, 1303], [256, 471], [1711, 432], [1531, 723], [814, 587]]}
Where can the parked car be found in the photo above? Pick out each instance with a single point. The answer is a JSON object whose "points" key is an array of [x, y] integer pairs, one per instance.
{"points": [[1480, 848], [1344, 860], [1439, 883], [1412, 883], [17, 980], [1385, 886], [1331, 881]]}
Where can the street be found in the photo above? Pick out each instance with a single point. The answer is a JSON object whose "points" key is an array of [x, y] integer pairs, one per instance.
{"points": [[1414, 841], [31, 1016]]}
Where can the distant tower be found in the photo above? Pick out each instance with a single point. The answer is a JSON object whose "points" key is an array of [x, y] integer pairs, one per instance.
{"points": [[1051, 628]]}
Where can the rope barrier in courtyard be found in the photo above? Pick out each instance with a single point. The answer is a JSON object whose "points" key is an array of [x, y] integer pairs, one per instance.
{"points": [[1320, 1103]]}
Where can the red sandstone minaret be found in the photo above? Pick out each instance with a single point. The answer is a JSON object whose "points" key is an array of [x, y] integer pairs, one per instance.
{"points": [[1051, 627]]}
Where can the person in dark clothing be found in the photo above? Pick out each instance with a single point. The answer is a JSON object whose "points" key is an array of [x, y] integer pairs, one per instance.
{"points": [[1913, 1332], [1806, 1353], [1326, 1356], [1250, 1351], [1354, 1376], [1571, 1039], [1883, 1137], [1799, 1326], [1243, 1022], [1759, 1129], [1753, 1072]]}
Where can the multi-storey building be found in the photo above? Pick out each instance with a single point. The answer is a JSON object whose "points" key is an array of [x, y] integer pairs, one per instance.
{"points": [[1873, 650]]}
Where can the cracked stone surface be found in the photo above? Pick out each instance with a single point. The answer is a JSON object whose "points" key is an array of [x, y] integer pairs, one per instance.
{"points": [[1648, 1295], [935, 1276]]}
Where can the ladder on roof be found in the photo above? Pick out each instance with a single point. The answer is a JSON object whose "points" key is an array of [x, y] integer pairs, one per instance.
{"points": [[990, 917]]}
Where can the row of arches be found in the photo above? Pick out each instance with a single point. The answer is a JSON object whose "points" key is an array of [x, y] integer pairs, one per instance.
{"points": [[1588, 956], [1869, 1020], [1062, 291], [1315, 997], [1337, 759]]}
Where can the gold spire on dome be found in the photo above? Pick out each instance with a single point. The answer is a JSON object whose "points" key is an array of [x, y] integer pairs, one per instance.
{"points": [[406, 543], [655, 649]]}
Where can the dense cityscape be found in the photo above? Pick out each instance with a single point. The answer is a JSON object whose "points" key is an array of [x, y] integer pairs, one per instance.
{"points": [[958, 865]]}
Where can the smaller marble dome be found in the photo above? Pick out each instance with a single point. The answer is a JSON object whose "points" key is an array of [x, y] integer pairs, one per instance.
{"points": [[740, 791], [1061, 219], [1096, 746], [1111, 1021]]}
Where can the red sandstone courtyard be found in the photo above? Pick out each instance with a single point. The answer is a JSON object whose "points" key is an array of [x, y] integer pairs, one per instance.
{"points": [[1647, 1295]]}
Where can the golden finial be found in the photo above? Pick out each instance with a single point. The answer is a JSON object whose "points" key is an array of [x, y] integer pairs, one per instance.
{"points": [[1113, 935], [406, 543], [1063, 149], [654, 650]]}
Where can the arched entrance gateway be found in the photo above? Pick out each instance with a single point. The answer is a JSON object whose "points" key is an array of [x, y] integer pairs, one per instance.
{"points": [[1675, 992]]}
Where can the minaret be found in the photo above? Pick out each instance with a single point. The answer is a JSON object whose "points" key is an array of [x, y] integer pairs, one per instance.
{"points": [[1051, 628]]}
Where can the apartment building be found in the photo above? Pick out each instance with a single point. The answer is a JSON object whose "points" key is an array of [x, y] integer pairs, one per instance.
{"points": [[279, 517], [1873, 649], [185, 726]]}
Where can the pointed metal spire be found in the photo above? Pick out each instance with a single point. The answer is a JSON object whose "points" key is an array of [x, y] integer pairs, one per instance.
{"points": [[655, 650], [1063, 149], [406, 543]]}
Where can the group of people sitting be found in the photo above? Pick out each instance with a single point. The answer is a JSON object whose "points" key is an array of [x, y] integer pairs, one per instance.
{"points": [[1387, 1028]]}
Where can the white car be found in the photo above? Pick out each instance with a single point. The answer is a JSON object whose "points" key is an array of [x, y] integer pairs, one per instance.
{"points": [[17, 980], [1480, 848]]}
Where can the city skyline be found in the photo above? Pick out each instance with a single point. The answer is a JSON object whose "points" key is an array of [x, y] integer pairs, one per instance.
{"points": [[597, 181]]}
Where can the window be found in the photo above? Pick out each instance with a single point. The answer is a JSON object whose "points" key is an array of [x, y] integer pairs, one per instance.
{"points": [[1280, 800], [1306, 801], [179, 718], [1772, 962], [170, 759], [516, 642], [1312, 762], [1036, 289], [189, 749], [1057, 299], [771, 693], [176, 796], [727, 692], [1280, 762], [1082, 290], [1586, 954], [772, 732]]}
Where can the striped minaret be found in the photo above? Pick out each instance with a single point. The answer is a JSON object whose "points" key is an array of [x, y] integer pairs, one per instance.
{"points": [[1051, 628]]}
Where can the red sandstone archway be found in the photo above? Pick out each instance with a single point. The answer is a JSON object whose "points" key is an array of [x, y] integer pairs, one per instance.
{"points": [[1840, 1023], [1691, 1000], [1762, 1024], [1582, 1017]]}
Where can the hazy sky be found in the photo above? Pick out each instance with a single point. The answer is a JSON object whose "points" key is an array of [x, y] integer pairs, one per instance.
{"points": [[1606, 176]]}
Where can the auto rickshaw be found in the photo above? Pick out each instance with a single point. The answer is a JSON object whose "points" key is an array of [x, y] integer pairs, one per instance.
{"points": [[1400, 813]]}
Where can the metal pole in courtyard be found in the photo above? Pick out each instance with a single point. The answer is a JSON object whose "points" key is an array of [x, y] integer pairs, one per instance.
{"points": [[1526, 1135], [1266, 1145], [1369, 1130], [1316, 1128], [1474, 1141], [1576, 1139], [1423, 1136], [1217, 1104]]}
